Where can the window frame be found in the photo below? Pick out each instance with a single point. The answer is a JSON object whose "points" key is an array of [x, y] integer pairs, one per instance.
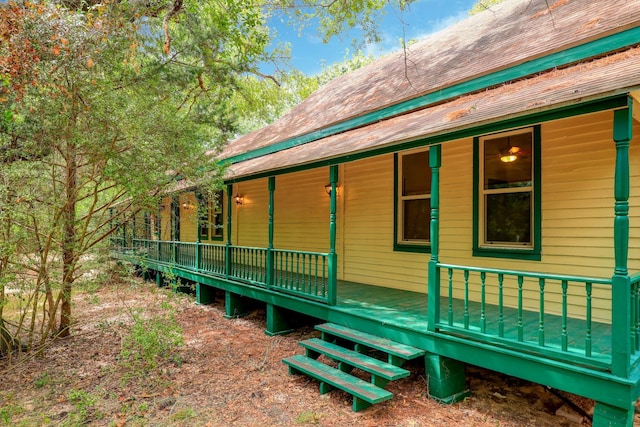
{"points": [[421, 246], [500, 249], [207, 214]]}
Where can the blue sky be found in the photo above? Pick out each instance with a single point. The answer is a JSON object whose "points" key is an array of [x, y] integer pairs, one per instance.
{"points": [[423, 17]]}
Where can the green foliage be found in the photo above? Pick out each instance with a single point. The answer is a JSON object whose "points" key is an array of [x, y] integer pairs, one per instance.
{"points": [[308, 417], [150, 342], [84, 404], [482, 5], [42, 380], [9, 411]]}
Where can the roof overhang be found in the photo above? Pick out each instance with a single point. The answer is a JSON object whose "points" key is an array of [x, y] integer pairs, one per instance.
{"points": [[509, 105]]}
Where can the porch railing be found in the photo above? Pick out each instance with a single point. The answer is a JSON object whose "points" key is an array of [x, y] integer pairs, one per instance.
{"points": [[635, 313], [543, 313], [304, 274]]}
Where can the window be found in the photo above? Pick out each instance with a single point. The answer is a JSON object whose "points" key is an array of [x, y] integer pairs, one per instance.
{"points": [[507, 194], [413, 201], [210, 212]]}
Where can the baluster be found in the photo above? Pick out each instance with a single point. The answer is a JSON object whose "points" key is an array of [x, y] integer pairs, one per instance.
{"points": [[587, 344], [564, 336], [298, 284], [315, 275], [636, 308], [305, 279], [520, 326], [483, 320], [324, 276], [500, 305], [541, 281], [450, 273], [466, 299]]}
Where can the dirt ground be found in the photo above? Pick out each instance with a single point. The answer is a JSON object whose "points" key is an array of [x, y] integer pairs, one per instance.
{"points": [[229, 373]]}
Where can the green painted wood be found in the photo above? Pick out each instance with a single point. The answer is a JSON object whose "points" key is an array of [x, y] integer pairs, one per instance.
{"points": [[403, 351], [621, 282], [572, 110], [355, 359], [610, 416], [358, 388], [333, 256], [446, 378], [278, 320], [402, 316], [433, 280], [270, 265], [574, 54]]}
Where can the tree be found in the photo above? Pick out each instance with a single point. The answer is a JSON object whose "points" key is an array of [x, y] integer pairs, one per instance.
{"points": [[103, 106], [482, 5]]}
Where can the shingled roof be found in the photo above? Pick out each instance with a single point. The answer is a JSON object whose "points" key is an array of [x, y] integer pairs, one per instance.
{"points": [[457, 78]]}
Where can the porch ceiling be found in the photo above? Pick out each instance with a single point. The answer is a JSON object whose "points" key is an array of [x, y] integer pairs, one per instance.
{"points": [[607, 76]]}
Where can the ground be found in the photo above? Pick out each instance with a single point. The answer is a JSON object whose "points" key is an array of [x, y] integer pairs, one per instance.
{"points": [[227, 373]]}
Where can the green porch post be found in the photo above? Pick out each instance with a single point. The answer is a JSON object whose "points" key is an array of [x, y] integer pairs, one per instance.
{"points": [[272, 189], [227, 252], [621, 283], [333, 257], [433, 287], [198, 237]]}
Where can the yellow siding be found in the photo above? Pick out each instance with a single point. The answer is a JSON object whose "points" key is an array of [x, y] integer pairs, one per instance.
{"points": [[250, 220], [188, 217], [368, 229], [301, 211], [578, 160]]}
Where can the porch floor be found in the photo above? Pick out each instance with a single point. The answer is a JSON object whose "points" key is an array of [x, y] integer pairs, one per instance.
{"points": [[408, 310]]}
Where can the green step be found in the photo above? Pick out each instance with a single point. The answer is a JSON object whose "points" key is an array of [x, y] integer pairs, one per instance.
{"points": [[398, 352], [381, 372], [364, 393]]}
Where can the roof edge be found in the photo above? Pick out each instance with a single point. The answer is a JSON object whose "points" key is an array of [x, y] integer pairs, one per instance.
{"points": [[584, 51]]}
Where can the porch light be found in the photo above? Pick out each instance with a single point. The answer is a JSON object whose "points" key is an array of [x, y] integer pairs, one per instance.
{"points": [[327, 188], [239, 199], [510, 154]]}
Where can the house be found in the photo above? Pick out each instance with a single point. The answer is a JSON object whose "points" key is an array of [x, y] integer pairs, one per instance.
{"points": [[474, 199]]}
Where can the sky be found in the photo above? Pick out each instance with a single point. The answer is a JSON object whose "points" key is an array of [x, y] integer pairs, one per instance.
{"points": [[423, 17]]}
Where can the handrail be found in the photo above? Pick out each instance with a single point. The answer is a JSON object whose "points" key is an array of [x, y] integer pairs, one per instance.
{"points": [[466, 310], [301, 273], [532, 274]]}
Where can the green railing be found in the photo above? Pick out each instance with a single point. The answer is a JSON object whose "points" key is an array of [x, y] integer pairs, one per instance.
{"points": [[533, 312], [213, 259], [249, 264], [303, 273], [635, 313]]}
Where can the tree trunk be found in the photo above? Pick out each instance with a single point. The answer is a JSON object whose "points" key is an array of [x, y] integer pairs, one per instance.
{"points": [[69, 249]]}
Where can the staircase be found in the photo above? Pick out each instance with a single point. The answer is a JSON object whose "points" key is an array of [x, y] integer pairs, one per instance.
{"points": [[350, 348]]}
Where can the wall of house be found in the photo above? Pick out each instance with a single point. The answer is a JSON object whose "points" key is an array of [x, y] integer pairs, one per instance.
{"points": [[578, 158], [188, 217]]}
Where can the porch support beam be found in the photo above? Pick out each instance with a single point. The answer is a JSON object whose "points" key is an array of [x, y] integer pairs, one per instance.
{"points": [[333, 257], [278, 320], [205, 294], [446, 378], [621, 283], [609, 416], [272, 189], [227, 252], [236, 305], [433, 286]]}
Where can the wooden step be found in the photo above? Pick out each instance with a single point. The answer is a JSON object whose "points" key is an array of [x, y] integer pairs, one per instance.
{"points": [[398, 352], [381, 372], [364, 394]]}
